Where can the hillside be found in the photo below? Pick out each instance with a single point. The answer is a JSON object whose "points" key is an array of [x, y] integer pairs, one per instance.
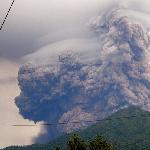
{"points": [[126, 132], [131, 132]]}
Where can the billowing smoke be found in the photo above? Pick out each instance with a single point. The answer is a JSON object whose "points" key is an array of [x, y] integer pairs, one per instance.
{"points": [[71, 88]]}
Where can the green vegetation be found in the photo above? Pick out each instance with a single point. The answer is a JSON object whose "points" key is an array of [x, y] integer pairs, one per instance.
{"points": [[75, 142], [100, 144], [125, 133]]}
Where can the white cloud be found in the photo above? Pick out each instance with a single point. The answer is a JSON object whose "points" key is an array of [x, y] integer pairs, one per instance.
{"points": [[87, 48]]}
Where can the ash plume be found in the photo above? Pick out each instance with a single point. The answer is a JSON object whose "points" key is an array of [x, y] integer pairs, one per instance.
{"points": [[72, 89]]}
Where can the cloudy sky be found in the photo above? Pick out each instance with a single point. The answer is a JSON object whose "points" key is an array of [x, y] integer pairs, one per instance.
{"points": [[31, 26], [41, 27]]}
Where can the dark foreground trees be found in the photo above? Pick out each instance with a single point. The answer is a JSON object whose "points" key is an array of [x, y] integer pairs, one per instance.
{"points": [[77, 143], [99, 144]]}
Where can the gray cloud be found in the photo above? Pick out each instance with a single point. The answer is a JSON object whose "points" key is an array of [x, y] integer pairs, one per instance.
{"points": [[52, 21], [31, 21], [93, 82], [88, 49], [73, 35]]}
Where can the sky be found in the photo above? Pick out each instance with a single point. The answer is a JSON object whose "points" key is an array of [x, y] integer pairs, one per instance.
{"points": [[36, 28], [30, 22], [8, 112]]}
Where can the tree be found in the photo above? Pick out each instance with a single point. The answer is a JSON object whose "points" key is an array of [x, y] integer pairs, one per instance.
{"points": [[99, 144], [57, 147], [76, 143]]}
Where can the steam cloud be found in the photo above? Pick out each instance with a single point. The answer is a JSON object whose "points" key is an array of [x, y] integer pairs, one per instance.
{"points": [[71, 88]]}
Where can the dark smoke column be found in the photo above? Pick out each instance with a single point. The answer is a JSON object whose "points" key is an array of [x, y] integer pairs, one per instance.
{"points": [[73, 90]]}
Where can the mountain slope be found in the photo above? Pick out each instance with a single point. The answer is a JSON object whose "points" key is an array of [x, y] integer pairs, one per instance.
{"points": [[126, 132], [123, 131]]}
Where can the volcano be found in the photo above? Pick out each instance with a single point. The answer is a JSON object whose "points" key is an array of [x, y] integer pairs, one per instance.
{"points": [[73, 90]]}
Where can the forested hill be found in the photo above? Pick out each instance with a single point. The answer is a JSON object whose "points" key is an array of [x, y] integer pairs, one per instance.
{"points": [[127, 129]]}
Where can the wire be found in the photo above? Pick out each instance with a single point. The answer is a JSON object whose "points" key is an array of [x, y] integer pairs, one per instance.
{"points": [[85, 121], [145, 145], [7, 15]]}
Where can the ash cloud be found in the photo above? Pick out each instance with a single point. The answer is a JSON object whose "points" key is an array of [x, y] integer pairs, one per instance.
{"points": [[69, 87]]}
